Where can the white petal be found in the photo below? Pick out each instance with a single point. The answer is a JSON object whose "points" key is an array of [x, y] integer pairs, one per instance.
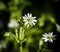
{"points": [[25, 18], [46, 34], [26, 23], [43, 35], [51, 40], [25, 15], [54, 36], [33, 23], [33, 17], [28, 14], [51, 33], [45, 40], [34, 20]]}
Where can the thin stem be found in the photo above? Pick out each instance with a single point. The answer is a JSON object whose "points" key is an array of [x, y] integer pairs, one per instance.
{"points": [[20, 48], [39, 50]]}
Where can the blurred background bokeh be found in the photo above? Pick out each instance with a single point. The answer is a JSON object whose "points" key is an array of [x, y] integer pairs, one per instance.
{"points": [[48, 15]]}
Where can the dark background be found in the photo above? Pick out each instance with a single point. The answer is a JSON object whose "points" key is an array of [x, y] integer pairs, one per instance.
{"points": [[39, 7]]}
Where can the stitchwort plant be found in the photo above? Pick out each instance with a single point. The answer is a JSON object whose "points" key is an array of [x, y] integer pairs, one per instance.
{"points": [[19, 27]]}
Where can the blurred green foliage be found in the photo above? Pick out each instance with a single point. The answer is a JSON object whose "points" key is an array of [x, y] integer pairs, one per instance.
{"points": [[44, 24], [2, 6]]}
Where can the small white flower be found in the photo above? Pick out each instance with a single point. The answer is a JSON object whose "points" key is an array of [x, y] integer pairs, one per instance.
{"points": [[13, 24], [3, 45], [28, 19], [48, 37]]}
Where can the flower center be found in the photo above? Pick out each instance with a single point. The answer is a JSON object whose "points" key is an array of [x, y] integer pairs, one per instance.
{"points": [[49, 37], [29, 19]]}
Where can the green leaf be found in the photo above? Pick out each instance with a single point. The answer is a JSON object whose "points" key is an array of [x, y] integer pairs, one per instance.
{"points": [[21, 34], [40, 43], [58, 27]]}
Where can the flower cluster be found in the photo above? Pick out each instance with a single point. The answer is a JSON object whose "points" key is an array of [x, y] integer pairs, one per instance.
{"points": [[27, 19], [19, 35]]}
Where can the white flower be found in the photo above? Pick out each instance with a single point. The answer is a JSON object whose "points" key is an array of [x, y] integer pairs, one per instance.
{"points": [[48, 37], [3, 45], [29, 20], [13, 24]]}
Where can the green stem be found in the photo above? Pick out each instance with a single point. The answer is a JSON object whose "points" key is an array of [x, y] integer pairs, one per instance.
{"points": [[15, 46], [40, 45], [39, 50], [20, 48]]}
